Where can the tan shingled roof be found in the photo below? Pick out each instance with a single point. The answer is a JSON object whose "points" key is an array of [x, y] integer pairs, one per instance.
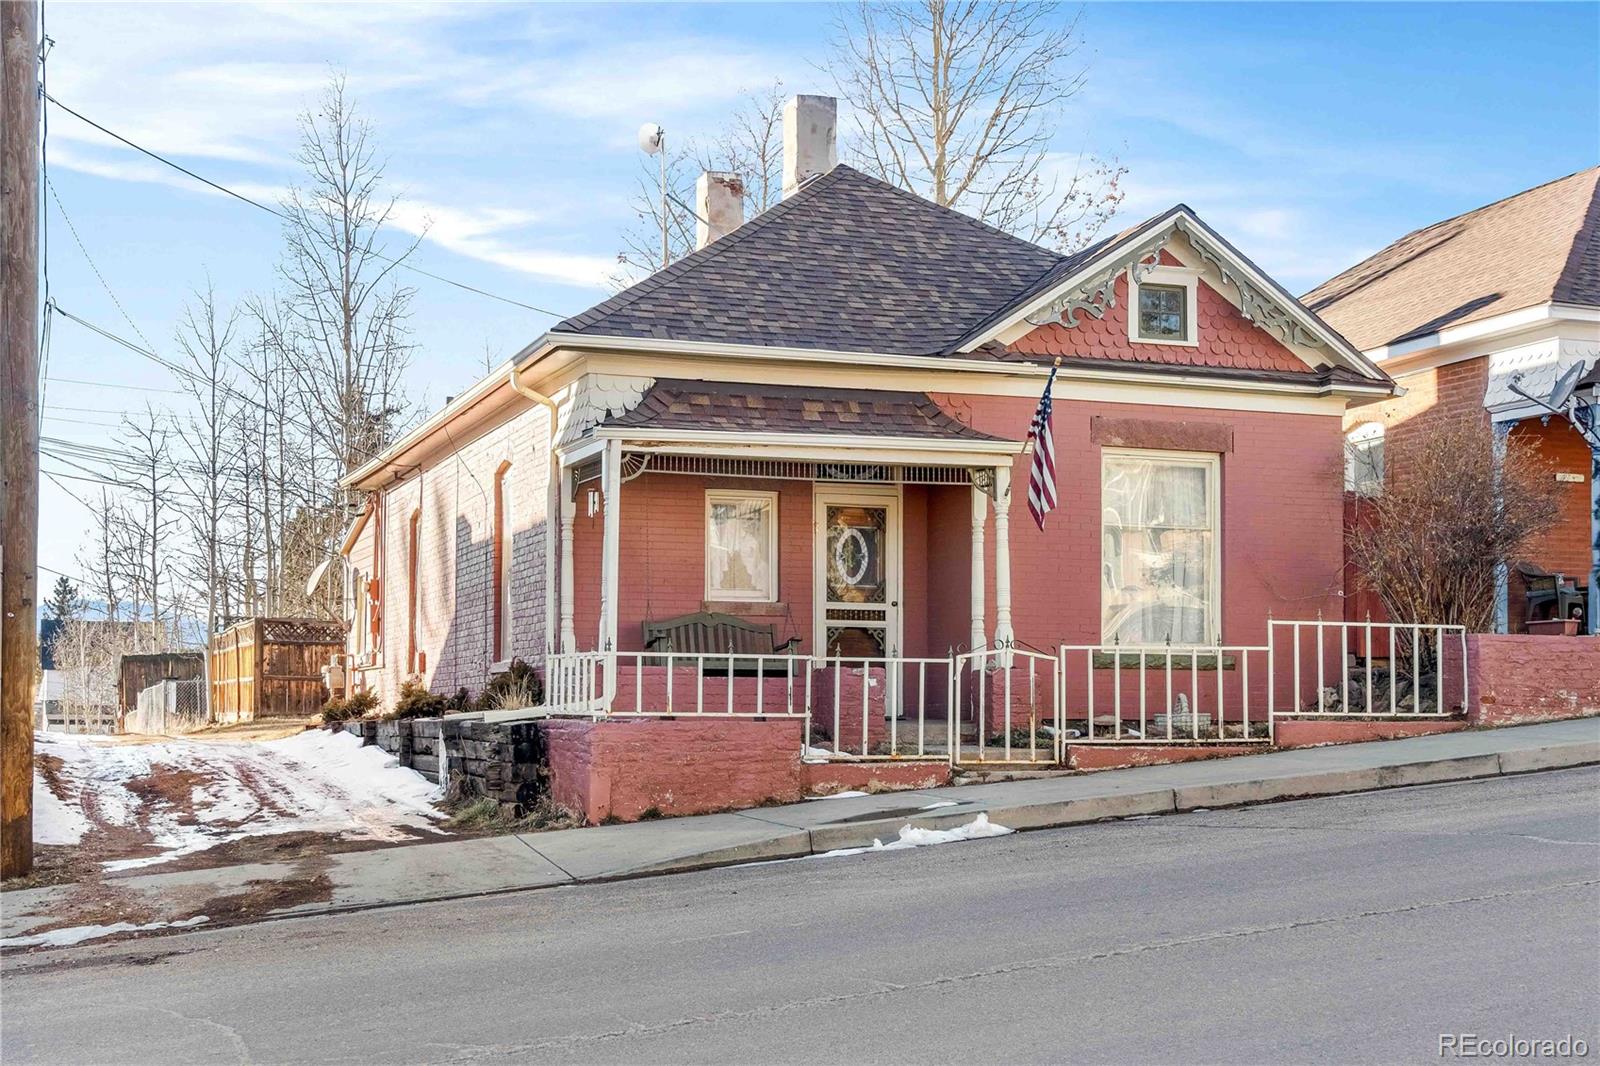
{"points": [[1536, 247]]}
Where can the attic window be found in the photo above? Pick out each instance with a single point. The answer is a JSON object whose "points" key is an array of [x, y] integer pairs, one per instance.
{"points": [[1161, 312], [1162, 306]]}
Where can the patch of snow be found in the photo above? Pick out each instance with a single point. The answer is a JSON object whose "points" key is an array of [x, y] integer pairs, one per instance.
{"points": [[940, 803], [917, 837], [53, 821], [77, 934], [847, 794], [810, 754], [316, 781]]}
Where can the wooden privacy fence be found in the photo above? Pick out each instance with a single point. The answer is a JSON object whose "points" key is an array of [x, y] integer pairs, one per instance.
{"points": [[272, 667]]}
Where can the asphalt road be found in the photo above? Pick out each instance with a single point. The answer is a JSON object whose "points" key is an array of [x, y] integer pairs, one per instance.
{"points": [[1351, 929]]}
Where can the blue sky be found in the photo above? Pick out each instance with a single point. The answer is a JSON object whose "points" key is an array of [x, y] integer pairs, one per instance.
{"points": [[1309, 134]]}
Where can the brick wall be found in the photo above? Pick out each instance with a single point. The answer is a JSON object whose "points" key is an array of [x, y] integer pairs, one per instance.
{"points": [[621, 768], [1281, 521], [454, 499], [1516, 678], [1456, 391]]}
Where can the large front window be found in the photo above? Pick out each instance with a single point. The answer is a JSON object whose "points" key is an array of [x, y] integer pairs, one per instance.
{"points": [[1158, 562], [742, 546]]}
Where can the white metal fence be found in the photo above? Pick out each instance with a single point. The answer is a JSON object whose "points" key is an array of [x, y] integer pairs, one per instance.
{"points": [[1020, 706], [1122, 694], [1012, 698], [1367, 669]]}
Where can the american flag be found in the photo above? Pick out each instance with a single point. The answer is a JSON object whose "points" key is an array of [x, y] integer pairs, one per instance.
{"points": [[1042, 475]]}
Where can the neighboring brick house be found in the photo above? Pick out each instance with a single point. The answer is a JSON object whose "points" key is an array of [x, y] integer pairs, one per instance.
{"points": [[816, 423], [1465, 313]]}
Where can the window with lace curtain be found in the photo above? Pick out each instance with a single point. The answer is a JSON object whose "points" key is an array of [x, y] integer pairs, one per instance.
{"points": [[1159, 547], [742, 546]]}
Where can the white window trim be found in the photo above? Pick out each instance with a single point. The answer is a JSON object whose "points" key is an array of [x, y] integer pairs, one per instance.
{"points": [[768, 595], [1188, 278], [1360, 439], [1213, 462]]}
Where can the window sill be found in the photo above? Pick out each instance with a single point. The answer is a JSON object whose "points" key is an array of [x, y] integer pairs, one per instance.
{"points": [[1201, 657], [744, 607], [500, 667], [1166, 343]]}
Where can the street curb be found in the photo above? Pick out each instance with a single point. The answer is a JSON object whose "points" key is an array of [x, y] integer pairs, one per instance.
{"points": [[1059, 813], [1550, 757]]}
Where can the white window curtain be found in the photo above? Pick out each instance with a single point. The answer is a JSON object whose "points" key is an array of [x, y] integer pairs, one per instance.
{"points": [[1158, 579], [741, 547]]}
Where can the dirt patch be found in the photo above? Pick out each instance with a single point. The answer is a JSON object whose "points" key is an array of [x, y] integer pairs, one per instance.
{"points": [[261, 898], [171, 787], [51, 768], [285, 847]]}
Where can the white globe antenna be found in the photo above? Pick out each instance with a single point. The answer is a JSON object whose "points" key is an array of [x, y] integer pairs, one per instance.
{"points": [[651, 138]]}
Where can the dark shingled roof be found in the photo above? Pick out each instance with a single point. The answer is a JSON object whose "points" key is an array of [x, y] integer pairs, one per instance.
{"points": [[846, 263], [727, 407]]}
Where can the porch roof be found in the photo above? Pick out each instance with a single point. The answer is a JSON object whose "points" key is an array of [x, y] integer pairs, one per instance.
{"points": [[735, 407]]}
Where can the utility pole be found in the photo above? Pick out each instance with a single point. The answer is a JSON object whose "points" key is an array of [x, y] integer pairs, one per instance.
{"points": [[19, 425]]}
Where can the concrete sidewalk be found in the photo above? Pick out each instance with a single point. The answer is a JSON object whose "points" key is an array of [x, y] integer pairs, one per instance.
{"points": [[460, 868]]}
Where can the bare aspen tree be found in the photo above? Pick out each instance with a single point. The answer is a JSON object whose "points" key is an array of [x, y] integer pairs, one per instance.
{"points": [[149, 521], [209, 440], [98, 560], [959, 102], [349, 343]]}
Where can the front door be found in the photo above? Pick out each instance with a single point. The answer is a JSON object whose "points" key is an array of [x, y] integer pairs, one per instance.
{"points": [[858, 574]]}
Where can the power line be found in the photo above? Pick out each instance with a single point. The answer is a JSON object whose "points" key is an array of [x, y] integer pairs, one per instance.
{"points": [[115, 385], [258, 205]]}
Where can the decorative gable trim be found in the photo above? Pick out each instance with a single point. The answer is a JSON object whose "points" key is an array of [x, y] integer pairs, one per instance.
{"points": [[1092, 290]]}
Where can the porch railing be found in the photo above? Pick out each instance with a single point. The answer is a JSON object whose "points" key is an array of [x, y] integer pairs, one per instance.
{"points": [[1367, 669], [1020, 706], [1129, 694]]}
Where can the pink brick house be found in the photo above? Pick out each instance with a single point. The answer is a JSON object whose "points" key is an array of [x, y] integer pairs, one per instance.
{"points": [[815, 426]]}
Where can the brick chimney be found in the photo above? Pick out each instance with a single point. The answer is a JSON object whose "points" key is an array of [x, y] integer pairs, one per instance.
{"points": [[809, 144], [719, 203]]}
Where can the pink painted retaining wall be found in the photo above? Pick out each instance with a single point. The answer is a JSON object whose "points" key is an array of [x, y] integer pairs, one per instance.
{"points": [[1517, 678], [1312, 732]]}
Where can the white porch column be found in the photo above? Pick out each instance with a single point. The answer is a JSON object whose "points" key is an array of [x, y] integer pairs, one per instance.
{"points": [[569, 512], [1003, 635], [611, 486], [980, 506]]}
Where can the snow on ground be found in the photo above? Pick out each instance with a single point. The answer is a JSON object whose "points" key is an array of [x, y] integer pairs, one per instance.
{"points": [[188, 796], [915, 836], [77, 934]]}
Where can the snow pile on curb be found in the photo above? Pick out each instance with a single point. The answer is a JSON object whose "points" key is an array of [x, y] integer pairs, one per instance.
{"points": [[187, 796], [912, 836]]}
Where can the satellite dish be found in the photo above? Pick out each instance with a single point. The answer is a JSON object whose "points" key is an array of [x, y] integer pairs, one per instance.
{"points": [[1565, 385], [651, 137]]}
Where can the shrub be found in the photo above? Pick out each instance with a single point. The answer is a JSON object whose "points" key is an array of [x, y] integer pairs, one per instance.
{"points": [[415, 701], [517, 687], [358, 705]]}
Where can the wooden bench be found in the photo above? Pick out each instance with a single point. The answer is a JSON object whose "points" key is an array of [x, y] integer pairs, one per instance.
{"points": [[715, 635]]}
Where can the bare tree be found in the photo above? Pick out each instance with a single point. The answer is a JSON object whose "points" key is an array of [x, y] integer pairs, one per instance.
{"points": [[1454, 509], [343, 330], [147, 522], [209, 438], [98, 560], [959, 102], [749, 145]]}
